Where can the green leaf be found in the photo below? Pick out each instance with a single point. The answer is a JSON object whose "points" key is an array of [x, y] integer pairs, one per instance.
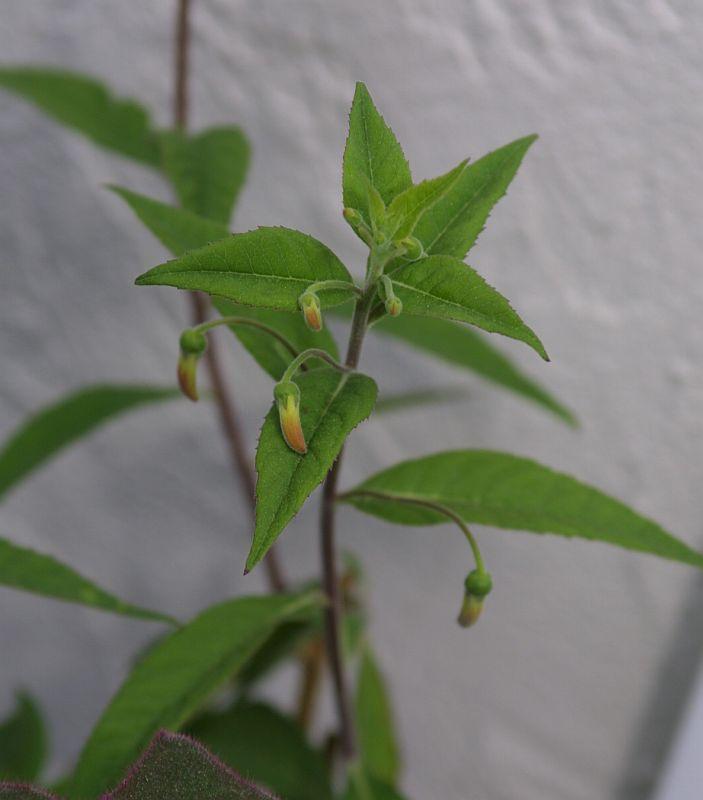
{"points": [[506, 491], [269, 353], [21, 791], [23, 742], [372, 155], [465, 348], [86, 105], [408, 208], [267, 267], [177, 768], [365, 787], [283, 644], [453, 224], [374, 719], [267, 747], [444, 287], [207, 170], [178, 230], [60, 424], [29, 571], [173, 680], [399, 401], [332, 405]]}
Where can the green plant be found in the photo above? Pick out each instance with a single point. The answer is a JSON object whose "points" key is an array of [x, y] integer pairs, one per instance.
{"points": [[272, 287]]}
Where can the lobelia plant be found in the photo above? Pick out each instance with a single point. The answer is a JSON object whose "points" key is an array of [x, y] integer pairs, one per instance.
{"points": [[272, 287]]}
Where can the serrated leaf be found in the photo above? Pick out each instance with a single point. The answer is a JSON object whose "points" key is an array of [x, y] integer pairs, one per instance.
{"points": [[177, 768], [164, 689], [374, 719], [56, 426], [453, 224], [266, 267], [266, 746], [25, 569], [444, 287], [332, 405], [507, 491], [372, 154], [86, 105], [23, 742], [207, 170], [462, 347], [408, 208], [178, 230], [270, 354]]}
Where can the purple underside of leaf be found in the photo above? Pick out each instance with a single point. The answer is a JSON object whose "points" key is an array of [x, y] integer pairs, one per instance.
{"points": [[23, 791], [176, 766]]}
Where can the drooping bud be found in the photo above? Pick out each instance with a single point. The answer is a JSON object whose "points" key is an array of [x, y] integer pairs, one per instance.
{"points": [[476, 586], [394, 306], [310, 304], [413, 248], [287, 396], [193, 344], [352, 216]]}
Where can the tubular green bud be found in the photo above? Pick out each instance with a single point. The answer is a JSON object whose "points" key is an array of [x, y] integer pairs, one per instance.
{"points": [[287, 395], [193, 344], [413, 248], [477, 586], [352, 216], [394, 306], [309, 302]]}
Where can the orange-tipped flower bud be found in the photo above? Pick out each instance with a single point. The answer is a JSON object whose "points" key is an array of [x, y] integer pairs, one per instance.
{"points": [[193, 344], [288, 399], [312, 312], [476, 586], [394, 306], [413, 248]]}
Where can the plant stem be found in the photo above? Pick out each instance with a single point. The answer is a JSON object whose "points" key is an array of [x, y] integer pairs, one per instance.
{"points": [[227, 412], [330, 579]]}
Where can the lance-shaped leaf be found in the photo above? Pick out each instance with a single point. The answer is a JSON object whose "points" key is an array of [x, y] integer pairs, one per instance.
{"points": [[207, 170], [453, 224], [171, 682], [408, 208], [444, 287], [86, 105], [363, 786], [399, 401], [372, 155], [263, 744], [267, 268], [506, 491], [60, 424], [23, 742], [374, 720], [332, 405], [176, 767], [25, 569], [271, 355], [465, 348]]}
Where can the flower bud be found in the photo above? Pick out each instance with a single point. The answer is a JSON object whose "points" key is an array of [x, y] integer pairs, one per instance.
{"points": [[352, 216], [476, 586], [288, 400], [394, 306], [312, 313], [193, 344], [413, 248]]}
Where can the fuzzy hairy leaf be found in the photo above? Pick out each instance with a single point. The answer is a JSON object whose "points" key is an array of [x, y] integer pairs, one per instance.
{"points": [[170, 683], [86, 105], [332, 405], [453, 224], [444, 287], [374, 718], [266, 746], [269, 353], [207, 170], [60, 424], [507, 491], [408, 208], [372, 155], [23, 742], [22, 791], [29, 571], [463, 347], [266, 267]]}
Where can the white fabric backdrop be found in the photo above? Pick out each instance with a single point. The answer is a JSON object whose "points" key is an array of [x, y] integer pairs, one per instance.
{"points": [[558, 693]]}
